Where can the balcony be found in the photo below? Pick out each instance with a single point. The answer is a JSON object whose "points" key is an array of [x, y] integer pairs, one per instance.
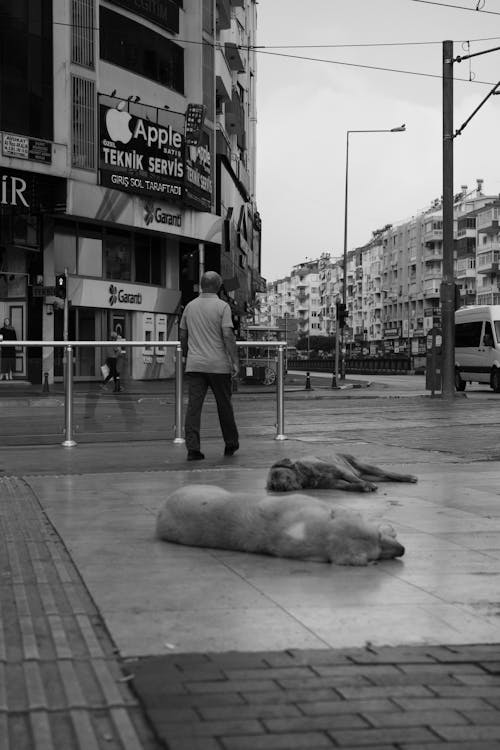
{"points": [[235, 116], [433, 232], [223, 80], [433, 254], [466, 273], [488, 263], [234, 58], [431, 290], [487, 222], [224, 16]]}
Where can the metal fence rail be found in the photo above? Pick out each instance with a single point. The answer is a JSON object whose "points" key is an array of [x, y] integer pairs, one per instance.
{"points": [[68, 346]]}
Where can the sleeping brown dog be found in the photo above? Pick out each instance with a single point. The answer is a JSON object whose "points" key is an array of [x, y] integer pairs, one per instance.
{"points": [[339, 472]]}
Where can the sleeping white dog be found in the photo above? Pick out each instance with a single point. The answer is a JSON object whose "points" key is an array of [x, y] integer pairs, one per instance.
{"points": [[296, 526]]}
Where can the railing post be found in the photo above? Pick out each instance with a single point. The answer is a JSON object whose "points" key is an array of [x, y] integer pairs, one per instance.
{"points": [[178, 395], [68, 397], [280, 396]]}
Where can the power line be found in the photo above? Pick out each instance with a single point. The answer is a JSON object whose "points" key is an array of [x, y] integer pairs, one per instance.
{"points": [[258, 47], [458, 7], [369, 67]]}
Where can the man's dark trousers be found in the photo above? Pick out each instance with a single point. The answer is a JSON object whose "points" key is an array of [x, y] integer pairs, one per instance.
{"points": [[220, 384]]}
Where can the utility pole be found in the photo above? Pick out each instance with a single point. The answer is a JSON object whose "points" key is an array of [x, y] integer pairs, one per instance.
{"points": [[447, 292]]}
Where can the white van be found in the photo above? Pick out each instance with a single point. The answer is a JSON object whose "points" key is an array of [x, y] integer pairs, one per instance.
{"points": [[477, 346]]}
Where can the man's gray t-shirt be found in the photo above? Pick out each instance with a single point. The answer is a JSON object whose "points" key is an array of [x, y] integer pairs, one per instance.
{"points": [[204, 318]]}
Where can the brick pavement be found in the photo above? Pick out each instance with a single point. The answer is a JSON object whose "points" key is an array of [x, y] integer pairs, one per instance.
{"points": [[61, 685], [410, 698]]}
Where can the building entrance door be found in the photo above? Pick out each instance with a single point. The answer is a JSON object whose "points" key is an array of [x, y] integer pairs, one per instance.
{"points": [[84, 324]]}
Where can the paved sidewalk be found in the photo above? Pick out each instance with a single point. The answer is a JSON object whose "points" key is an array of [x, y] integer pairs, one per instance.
{"points": [[407, 698], [112, 639], [61, 685]]}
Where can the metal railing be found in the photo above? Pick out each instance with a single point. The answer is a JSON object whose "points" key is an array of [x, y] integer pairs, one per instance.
{"points": [[68, 347]]}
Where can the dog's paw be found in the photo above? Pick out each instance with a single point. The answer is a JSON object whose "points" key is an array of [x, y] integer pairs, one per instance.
{"points": [[369, 487], [412, 478]]}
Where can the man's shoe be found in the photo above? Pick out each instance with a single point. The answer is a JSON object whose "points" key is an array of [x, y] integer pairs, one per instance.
{"points": [[230, 450], [195, 456]]}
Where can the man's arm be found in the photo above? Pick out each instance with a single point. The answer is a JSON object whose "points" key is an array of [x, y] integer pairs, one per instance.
{"points": [[231, 348], [183, 338]]}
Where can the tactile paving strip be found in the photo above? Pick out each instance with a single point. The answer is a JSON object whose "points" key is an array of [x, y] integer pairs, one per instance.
{"points": [[61, 686]]}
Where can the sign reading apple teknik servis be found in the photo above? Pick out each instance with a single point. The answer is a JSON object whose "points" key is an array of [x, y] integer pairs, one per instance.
{"points": [[139, 156]]}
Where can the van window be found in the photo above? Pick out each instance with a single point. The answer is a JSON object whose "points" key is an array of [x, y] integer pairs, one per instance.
{"points": [[468, 334], [497, 330]]}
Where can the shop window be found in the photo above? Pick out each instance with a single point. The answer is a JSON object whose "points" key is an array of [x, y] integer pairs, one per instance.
{"points": [[21, 230], [141, 255], [117, 256], [64, 249], [90, 254], [148, 260], [132, 46]]}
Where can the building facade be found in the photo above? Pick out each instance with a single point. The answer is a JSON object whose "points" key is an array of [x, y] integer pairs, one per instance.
{"points": [[128, 161], [393, 282]]}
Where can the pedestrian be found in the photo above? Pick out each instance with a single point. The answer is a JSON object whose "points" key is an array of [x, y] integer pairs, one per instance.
{"points": [[209, 346], [113, 352], [8, 353]]}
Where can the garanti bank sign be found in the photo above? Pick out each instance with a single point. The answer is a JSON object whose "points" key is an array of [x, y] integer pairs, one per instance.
{"points": [[139, 156]]}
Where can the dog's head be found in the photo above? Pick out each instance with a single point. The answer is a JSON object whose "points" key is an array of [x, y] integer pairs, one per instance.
{"points": [[353, 541], [284, 477], [389, 546]]}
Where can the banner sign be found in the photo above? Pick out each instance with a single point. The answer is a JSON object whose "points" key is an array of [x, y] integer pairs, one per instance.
{"points": [[139, 156], [22, 147], [195, 117], [198, 175]]}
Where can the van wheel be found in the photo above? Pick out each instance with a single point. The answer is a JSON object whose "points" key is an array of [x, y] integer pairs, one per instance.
{"points": [[495, 380], [459, 383]]}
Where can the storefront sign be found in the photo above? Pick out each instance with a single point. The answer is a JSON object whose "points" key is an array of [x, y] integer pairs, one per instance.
{"points": [[22, 147], [391, 332], [121, 296], [13, 191], [164, 13], [198, 177], [157, 215], [139, 156], [195, 117]]}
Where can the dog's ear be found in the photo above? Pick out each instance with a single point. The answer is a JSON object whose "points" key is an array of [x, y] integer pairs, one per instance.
{"points": [[285, 463]]}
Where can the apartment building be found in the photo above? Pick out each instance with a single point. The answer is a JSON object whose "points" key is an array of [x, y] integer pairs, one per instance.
{"points": [[393, 282], [127, 160]]}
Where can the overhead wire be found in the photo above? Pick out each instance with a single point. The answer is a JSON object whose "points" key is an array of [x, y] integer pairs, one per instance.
{"points": [[477, 9]]}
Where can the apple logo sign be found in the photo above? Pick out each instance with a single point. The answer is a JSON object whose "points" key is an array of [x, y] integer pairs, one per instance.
{"points": [[117, 124]]}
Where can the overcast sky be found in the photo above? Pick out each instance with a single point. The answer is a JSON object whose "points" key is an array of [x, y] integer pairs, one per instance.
{"points": [[306, 107]]}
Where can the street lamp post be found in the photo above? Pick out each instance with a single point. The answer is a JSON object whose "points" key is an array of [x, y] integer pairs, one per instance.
{"points": [[400, 129]]}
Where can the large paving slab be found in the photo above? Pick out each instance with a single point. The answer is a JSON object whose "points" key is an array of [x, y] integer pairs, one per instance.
{"points": [[157, 597]]}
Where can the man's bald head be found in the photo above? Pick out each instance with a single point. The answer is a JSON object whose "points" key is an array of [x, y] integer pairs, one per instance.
{"points": [[210, 282]]}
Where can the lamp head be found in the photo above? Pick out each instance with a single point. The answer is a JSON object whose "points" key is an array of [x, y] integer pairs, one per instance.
{"points": [[400, 129]]}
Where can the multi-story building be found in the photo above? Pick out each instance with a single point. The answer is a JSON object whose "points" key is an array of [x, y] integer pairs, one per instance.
{"points": [[393, 282], [127, 160]]}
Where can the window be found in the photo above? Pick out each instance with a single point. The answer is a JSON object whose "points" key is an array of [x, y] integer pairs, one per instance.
{"points": [[140, 50], [90, 253], [117, 256], [468, 334], [148, 260], [82, 33], [83, 123], [26, 70]]}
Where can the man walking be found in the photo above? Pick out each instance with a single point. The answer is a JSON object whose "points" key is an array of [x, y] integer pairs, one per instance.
{"points": [[209, 345]]}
